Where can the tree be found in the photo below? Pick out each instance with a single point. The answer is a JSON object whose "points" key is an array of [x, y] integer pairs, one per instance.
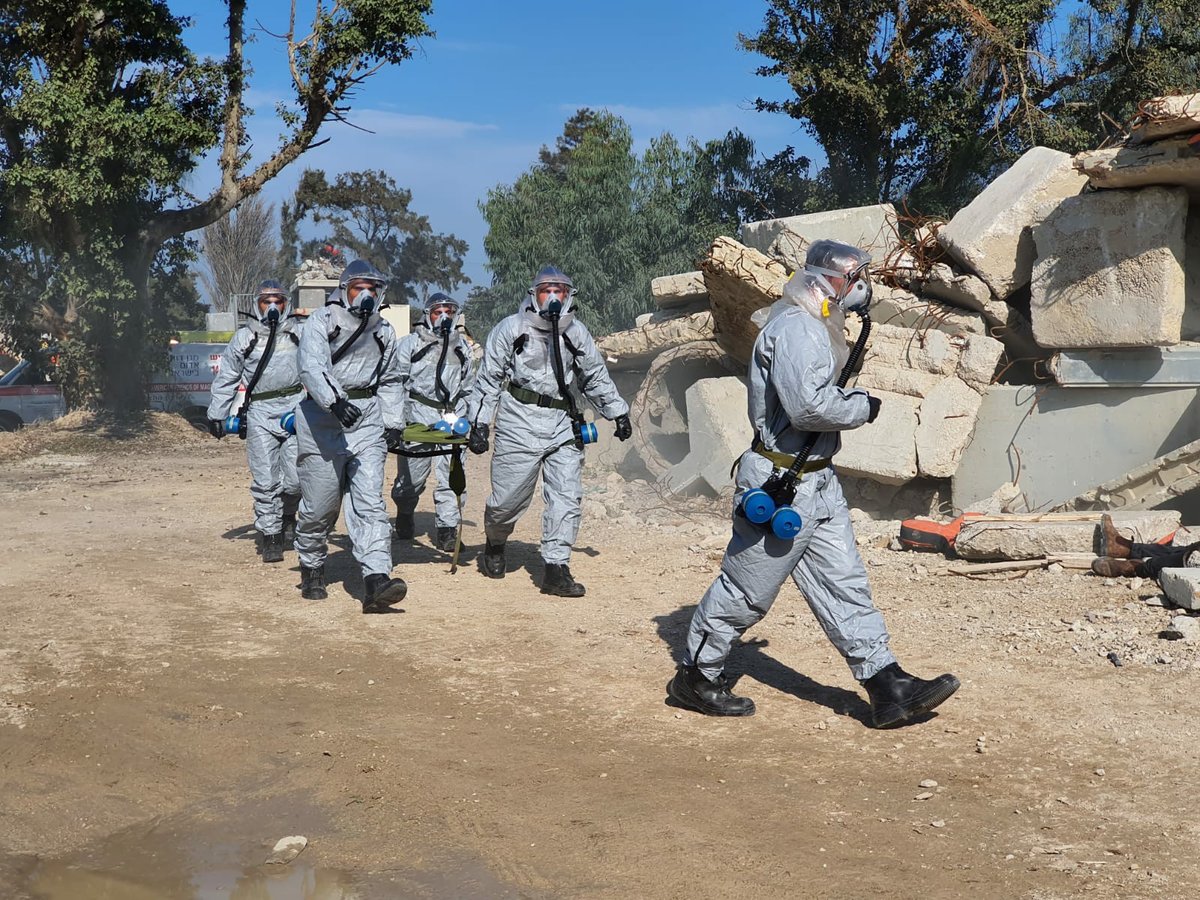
{"points": [[927, 98], [239, 251], [106, 111], [368, 215]]}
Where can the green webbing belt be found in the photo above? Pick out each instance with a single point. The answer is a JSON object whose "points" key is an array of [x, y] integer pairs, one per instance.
{"points": [[533, 398], [785, 460], [279, 392], [430, 402], [360, 393]]}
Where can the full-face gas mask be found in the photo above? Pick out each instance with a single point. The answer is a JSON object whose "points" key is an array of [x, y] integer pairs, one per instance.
{"points": [[553, 292], [833, 259], [440, 312], [277, 305], [370, 298]]}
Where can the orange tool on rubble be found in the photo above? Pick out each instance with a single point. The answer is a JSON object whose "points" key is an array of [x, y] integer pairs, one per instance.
{"points": [[930, 536]]}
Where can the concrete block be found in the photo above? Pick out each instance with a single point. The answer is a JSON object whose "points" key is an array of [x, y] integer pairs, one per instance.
{"points": [[885, 450], [1057, 442], [1109, 271], [946, 420], [902, 309], [650, 338], [1162, 117], [718, 433], [1182, 587], [740, 280], [868, 227], [990, 235], [670, 291], [978, 361], [1164, 163], [965, 291], [1177, 366], [997, 538]]}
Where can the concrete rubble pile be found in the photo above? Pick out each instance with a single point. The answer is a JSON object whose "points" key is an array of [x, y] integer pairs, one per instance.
{"points": [[1048, 335]]}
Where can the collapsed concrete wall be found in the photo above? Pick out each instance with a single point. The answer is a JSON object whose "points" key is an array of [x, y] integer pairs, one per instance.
{"points": [[873, 228], [740, 280]]}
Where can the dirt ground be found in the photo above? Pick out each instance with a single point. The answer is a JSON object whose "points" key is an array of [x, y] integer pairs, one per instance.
{"points": [[170, 707]]}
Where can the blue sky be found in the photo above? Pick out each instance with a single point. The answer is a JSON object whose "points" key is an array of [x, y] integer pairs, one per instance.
{"points": [[472, 107]]}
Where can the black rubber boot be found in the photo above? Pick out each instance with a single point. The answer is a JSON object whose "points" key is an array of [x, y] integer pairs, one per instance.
{"points": [[312, 583], [383, 592], [692, 689], [558, 581], [446, 539], [272, 548], [289, 529], [492, 562], [897, 696], [405, 529]]}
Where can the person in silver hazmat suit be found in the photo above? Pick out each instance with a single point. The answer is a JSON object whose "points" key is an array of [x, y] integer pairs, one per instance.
{"points": [[263, 355], [439, 373], [353, 412], [526, 382], [793, 393]]}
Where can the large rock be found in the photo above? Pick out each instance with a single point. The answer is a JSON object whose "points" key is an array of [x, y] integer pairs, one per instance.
{"points": [[1058, 442], [740, 280], [718, 433], [946, 420], [870, 227], [684, 290], [884, 450], [651, 338], [1109, 271], [990, 235], [1164, 163], [1000, 538], [1182, 587], [1161, 117]]}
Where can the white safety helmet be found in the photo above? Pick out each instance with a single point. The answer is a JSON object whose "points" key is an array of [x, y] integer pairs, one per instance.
{"points": [[279, 306], [559, 300]]}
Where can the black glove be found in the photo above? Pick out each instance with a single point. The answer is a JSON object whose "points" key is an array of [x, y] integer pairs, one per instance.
{"points": [[394, 438], [347, 413], [478, 440], [624, 428], [216, 427], [874, 403]]}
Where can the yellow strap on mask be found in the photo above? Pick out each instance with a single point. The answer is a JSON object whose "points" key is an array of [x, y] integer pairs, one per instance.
{"points": [[825, 308]]}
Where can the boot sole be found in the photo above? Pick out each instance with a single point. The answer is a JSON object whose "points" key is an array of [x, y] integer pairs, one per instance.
{"points": [[690, 701], [568, 594], [314, 595], [389, 596], [922, 703], [272, 558]]}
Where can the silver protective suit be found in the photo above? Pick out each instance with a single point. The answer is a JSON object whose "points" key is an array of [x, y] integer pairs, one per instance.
{"points": [[438, 374], [793, 391], [530, 439], [345, 466], [270, 451]]}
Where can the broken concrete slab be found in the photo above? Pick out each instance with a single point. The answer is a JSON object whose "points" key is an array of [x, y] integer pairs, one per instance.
{"points": [[1109, 270], [869, 227], [740, 280], [1163, 117], [685, 289], [965, 291], [1170, 162], [1162, 480], [892, 351], [884, 450], [718, 432], [1021, 432], [902, 309], [650, 338], [946, 419], [1177, 366], [990, 235], [1182, 587], [1005, 538]]}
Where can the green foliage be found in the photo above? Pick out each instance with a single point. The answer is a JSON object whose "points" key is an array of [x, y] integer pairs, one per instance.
{"points": [[925, 99], [368, 215], [105, 113]]}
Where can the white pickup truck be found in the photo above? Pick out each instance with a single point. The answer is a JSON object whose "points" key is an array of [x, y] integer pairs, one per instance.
{"points": [[25, 398]]}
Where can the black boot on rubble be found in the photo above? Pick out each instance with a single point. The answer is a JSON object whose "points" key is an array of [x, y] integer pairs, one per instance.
{"points": [[492, 563], [405, 527], [446, 539], [558, 581], [312, 583], [383, 592], [692, 689], [272, 548], [897, 696]]}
